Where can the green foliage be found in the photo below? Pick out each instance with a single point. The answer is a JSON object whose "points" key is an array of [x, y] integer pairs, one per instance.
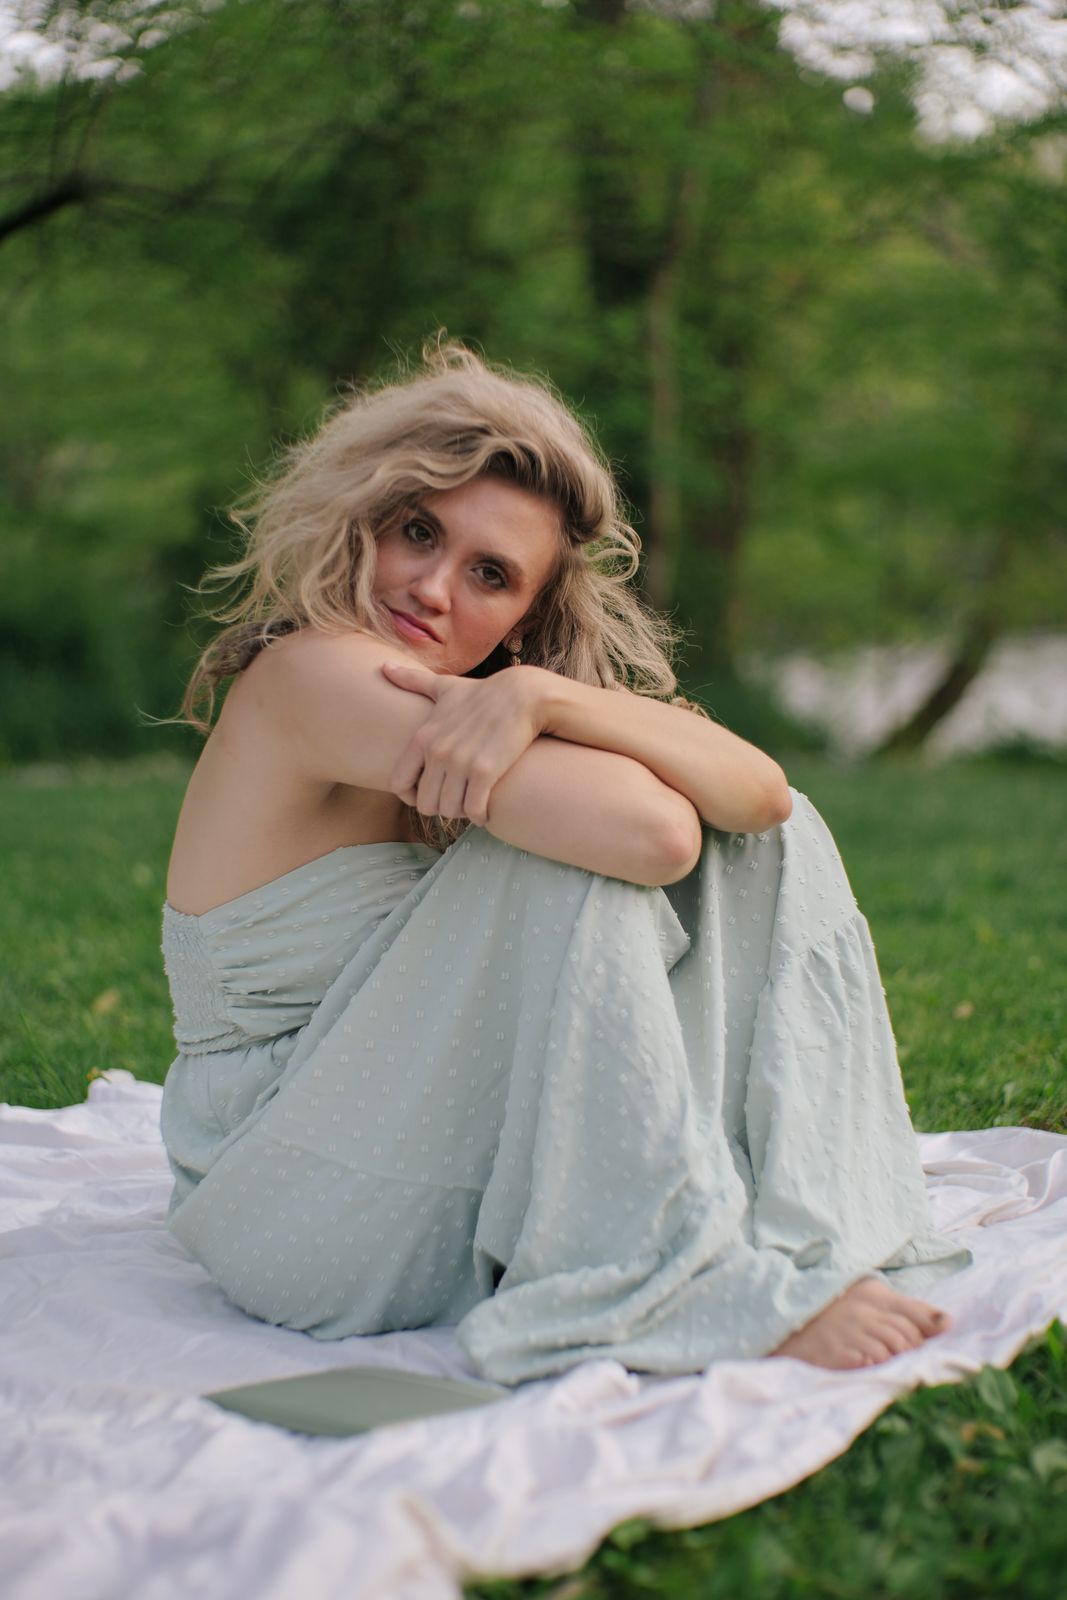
{"points": [[859, 399]]}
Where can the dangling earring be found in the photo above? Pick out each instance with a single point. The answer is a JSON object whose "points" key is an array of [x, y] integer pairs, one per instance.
{"points": [[513, 645]]}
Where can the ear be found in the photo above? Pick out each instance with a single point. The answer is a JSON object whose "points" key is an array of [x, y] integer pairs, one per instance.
{"points": [[520, 630]]}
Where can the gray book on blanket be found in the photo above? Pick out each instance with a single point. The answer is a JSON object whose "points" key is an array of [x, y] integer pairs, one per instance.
{"points": [[353, 1399]]}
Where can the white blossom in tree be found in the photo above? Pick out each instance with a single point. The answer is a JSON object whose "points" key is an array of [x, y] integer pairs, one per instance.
{"points": [[44, 40], [977, 64]]}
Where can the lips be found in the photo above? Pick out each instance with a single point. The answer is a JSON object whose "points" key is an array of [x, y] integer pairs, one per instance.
{"points": [[420, 629]]}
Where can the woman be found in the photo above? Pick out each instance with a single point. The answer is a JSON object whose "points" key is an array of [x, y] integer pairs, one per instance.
{"points": [[510, 991]]}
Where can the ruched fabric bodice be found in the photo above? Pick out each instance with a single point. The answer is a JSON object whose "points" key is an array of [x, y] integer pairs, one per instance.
{"points": [[257, 967]]}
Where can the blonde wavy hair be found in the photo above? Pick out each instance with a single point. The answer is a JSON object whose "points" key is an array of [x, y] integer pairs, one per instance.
{"points": [[311, 532]]}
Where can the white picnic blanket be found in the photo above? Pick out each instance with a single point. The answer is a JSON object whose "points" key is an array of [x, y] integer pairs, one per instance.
{"points": [[117, 1479]]}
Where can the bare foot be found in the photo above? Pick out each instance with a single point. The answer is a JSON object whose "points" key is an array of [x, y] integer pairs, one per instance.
{"points": [[868, 1323]]}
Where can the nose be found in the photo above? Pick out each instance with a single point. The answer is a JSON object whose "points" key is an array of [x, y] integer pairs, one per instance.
{"points": [[431, 586]]}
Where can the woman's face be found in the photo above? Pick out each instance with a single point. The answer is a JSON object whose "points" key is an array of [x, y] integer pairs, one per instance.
{"points": [[468, 563]]}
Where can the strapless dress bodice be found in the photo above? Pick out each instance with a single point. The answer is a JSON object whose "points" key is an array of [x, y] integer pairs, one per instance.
{"points": [[257, 966]]}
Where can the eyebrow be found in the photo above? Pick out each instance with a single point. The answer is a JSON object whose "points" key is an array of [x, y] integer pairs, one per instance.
{"points": [[512, 568]]}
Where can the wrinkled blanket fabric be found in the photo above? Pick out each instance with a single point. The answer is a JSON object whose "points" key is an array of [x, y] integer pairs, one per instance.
{"points": [[110, 1334]]}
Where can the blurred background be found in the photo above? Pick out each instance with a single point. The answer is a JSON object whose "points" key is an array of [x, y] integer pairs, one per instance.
{"points": [[802, 268]]}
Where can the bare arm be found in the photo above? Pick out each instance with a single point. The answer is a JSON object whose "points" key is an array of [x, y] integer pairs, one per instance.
{"points": [[731, 784], [343, 722]]}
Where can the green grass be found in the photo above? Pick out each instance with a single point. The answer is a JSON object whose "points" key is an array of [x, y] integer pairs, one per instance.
{"points": [[81, 977], [954, 1492]]}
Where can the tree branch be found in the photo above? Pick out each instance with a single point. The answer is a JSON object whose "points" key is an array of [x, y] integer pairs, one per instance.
{"points": [[71, 191]]}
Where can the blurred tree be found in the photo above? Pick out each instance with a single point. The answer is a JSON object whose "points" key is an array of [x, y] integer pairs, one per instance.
{"points": [[1007, 219], [806, 339]]}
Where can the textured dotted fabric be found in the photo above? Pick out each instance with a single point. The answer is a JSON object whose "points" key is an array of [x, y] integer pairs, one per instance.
{"points": [[574, 1116]]}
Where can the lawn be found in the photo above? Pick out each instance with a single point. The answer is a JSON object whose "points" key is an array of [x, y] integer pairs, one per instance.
{"points": [[956, 1491]]}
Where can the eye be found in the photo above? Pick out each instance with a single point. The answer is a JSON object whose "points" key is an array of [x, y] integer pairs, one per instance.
{"points": [[499, 579], [414, 523]]}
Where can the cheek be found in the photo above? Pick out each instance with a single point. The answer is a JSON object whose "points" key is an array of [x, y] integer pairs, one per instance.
{"points": [[475, 629], [493, 616], [387, 563]]}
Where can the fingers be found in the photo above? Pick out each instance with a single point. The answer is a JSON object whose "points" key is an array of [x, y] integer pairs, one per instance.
{"points": [[462, 749], [405, 776], [454, 785], [428, 793], [406, 675], [421, 773], [476, 802], [458, 798], [444, 791], [453, 788]]}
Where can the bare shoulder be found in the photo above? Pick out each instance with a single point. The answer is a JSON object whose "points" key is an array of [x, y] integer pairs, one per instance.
{"points": [[327, 701], [309, 661], [292, 769]]}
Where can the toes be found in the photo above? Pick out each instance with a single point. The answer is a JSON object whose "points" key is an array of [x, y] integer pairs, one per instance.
{"points": [[929, 1318], [874, 1350], [906, 1329], [898, 1338]]}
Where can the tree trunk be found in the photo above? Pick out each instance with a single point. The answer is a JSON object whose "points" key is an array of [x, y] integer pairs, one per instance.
{"points": [[980, 632], [665, 442], [978, 637], [664, 494], [721, 534]]}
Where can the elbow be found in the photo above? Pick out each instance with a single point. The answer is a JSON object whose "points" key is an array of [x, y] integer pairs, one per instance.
{"points": [[767, 807], [677, 836], [778, 806]]}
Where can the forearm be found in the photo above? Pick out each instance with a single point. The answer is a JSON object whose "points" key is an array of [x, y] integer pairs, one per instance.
{"points": [[594, 809], [732, 785]]}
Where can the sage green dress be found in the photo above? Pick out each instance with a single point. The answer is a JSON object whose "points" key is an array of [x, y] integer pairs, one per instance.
{"points": [[574, 1116]]}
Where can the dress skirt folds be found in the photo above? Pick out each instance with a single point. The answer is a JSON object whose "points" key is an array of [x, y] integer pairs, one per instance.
{"points": [[575, 1116]]}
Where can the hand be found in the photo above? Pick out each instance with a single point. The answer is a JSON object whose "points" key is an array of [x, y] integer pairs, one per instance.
{"points": [[477, 731]]}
